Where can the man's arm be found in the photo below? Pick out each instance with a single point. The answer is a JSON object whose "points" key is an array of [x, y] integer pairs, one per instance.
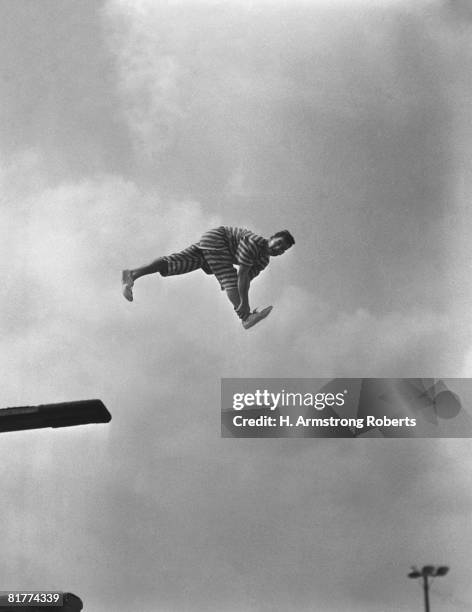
{"points": [[243, 287]]}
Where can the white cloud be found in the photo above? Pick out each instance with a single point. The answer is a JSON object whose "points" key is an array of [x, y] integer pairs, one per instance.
{"points": [[303, 338], [64, 247], [150, 75]]}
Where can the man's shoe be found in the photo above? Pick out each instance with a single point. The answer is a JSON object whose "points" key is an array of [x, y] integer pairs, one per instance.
{"points": [[255, 316], [127, 282]]}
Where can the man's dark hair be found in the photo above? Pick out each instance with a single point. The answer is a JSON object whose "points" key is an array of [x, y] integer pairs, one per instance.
{"points": [[286, 235]]}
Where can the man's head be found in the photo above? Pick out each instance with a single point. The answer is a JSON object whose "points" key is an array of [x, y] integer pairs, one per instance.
{"points": [[280, 242]]}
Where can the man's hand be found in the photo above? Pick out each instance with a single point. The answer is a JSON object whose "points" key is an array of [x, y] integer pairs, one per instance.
{"points": [[243, 310]]}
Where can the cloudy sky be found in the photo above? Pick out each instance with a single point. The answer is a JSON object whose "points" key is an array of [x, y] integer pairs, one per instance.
{"points": [[128, 127]]}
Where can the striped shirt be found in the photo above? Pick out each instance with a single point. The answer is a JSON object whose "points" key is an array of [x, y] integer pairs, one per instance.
{"points": [[244, 247]]}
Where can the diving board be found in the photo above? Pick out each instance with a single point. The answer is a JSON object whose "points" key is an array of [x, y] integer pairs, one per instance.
{"points": [[64, 414]]}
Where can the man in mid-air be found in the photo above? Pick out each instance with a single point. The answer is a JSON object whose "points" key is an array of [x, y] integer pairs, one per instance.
{"points": [[216, 253]]}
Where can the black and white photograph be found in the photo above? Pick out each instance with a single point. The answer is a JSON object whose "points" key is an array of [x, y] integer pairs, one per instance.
{"points": [[203, 195]]}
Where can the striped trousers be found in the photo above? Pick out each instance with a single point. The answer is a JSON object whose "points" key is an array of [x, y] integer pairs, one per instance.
{"points": [[219, 263]]}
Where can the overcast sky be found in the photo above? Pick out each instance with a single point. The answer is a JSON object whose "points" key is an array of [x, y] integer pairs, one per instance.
{"points": [[129, 127]]}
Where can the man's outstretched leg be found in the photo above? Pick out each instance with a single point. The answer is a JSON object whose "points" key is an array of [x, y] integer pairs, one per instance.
{"points": [[129, 276], [188, 260]]}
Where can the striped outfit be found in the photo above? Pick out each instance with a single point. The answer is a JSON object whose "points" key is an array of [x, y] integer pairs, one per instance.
{"points": [[218, 251]]}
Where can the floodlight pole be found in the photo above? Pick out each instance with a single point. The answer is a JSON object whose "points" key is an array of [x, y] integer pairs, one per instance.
{"points": [[427, 572], [426, 592]]}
